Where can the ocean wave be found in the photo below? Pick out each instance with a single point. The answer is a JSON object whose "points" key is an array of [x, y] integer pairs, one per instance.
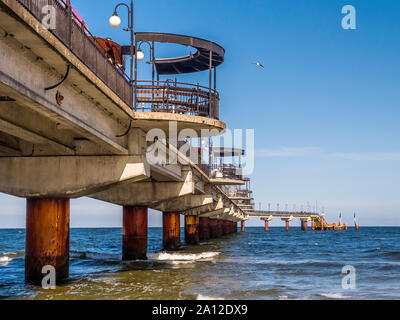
{"points": [[182, 258], [9, 253], [393, 254], [334, 296], [201, 297], [95, 256], [372, 250], [5, 260]]}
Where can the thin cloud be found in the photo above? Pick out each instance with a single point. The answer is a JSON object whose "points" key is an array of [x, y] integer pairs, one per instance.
{"points": [[375, 156], [298, 152], [289, 152]]}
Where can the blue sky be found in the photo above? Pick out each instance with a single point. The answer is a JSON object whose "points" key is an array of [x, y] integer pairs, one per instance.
{"points": [[325, 109]]}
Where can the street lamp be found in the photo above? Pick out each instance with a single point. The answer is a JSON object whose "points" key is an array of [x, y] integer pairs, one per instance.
{"points": [[140, 57], [115, 22]]}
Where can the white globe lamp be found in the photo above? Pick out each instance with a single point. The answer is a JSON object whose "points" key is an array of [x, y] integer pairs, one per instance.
{"points": [[139, 55], [115, 21]]}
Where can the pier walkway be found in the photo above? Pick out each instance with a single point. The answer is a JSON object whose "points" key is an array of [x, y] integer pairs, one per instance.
{"points": [[73, 124]]}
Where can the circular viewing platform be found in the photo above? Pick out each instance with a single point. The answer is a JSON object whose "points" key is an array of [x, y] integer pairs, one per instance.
{"points": [[192, 106], [178, 98]]}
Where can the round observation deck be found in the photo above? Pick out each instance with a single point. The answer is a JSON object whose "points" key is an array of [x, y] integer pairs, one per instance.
{"points": [[193, 106]]}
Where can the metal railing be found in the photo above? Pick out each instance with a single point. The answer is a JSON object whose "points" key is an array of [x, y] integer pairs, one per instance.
{"points": [[243, 193], [70, 30], [175, 97], [228, 171]]}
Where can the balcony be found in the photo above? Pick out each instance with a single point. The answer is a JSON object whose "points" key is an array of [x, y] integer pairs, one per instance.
{"points": [[174, 97], [226, 171]]}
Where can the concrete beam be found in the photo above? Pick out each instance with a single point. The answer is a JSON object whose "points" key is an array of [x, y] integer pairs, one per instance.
{"points": [[185, 203], [147, 194], [68, 176], [30, 136], [215, 205]]}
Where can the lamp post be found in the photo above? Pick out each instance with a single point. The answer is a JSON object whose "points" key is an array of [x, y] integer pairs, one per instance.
{"points": [[139, 57], [115, 22]]}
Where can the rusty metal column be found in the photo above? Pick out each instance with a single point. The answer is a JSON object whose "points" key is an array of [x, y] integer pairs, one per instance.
{"points": [[322, 223], [47, 238], [287, 225], [227, 227], [134, 233], [243, 226], [266, 226], [192, 229], [204, 228], [213, 228], [304, 224], [171, 230], [313, 225], [220, 228]]}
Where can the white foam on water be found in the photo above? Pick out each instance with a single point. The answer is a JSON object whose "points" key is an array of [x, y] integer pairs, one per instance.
{"points": [[4, 261], [283, 297], [201, 297], [334, 296], [181, 258], [174, 262], [95, 256], [9, 253]]}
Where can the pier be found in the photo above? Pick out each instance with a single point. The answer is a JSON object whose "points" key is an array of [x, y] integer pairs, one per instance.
{"points": [[317, 220], [73, 124]]}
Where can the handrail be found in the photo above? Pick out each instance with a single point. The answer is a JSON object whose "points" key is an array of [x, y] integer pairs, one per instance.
{"points": [[77, 38], [176, 97]]}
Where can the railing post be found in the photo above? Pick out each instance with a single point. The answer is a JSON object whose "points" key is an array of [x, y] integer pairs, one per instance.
{"points": [[210, 80], [69, 26], [167, 95], [198, 97], [134, 88]]}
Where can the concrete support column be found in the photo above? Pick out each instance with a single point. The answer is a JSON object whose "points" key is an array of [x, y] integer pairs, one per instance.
{"points": [[304, 225], [266, 226], [204, 228], [287, 225], [243, 226], [171, 230], [191, 229], [47, 238], [134, 233]]}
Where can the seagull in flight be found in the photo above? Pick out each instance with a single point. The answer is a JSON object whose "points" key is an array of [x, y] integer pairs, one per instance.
{"points": [[258, 64]]}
